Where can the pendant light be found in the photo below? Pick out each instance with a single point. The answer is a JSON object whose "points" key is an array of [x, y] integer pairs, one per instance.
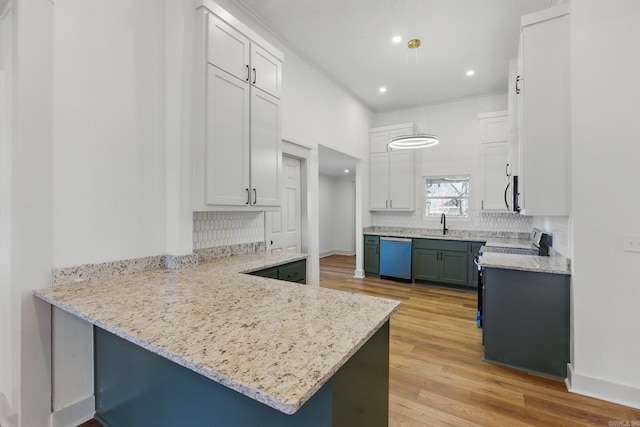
{"points": [[411, 142]]}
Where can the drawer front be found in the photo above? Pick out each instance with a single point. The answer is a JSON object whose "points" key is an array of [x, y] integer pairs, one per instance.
{"points": [[293, 272], [441, 245], [371, 240], [271, 273]]}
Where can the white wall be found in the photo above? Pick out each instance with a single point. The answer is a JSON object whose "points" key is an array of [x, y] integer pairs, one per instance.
{"points": [[456, 124], [30, 206], [326, 202], [344, 215], [337, 215], [108, 162], [6, 301], [605, 150]]}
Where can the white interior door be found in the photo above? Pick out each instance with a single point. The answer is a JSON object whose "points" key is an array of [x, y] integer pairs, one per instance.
{"points": [[283, 227]]}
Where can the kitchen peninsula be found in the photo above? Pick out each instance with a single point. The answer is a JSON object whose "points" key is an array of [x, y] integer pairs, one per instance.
{"points": [[209, 345]]}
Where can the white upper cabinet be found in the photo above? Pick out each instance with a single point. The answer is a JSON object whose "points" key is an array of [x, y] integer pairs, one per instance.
{"points": [[227, 138], [494, 161], [228, 49], [545, 116], [237, 152], [391, 173], [266, 154], [231, 51], [380, 136], [266, 71]]}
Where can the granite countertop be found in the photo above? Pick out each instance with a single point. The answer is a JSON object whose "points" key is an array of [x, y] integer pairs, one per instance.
{"points": [[538, 264], [274, 341], [464, 235], [556, 263]]}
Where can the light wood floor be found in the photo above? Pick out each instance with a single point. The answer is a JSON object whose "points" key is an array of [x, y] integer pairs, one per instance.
{"points": [[437, 376]]}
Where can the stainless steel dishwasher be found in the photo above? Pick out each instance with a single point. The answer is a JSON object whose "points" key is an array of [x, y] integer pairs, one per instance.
{"points": [[395, 257]]}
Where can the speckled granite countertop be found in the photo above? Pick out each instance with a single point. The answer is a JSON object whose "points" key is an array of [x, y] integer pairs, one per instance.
{"points": [[556, 263], [466, 235], [276, 342]]}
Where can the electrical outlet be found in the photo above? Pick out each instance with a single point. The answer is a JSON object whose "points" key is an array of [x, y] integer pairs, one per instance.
{"points": [[631, 243]]}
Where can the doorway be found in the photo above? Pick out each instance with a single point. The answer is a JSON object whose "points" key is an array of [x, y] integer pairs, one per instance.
{"points": [[337, 201]]}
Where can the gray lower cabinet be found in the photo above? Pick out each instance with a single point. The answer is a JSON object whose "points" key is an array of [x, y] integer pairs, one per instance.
{"points": [[444, 261], [292, 272], [526, 320], [372, 255]]}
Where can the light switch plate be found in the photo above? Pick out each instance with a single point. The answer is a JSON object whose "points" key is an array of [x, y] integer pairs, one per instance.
{"points": [[631, 243]]}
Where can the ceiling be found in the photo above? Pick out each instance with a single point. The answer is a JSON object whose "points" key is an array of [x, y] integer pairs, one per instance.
{"points": [[334, 163], [350, 40]]}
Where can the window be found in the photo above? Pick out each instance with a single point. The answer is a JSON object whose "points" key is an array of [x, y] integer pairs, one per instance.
{"points": [[448, 195]]}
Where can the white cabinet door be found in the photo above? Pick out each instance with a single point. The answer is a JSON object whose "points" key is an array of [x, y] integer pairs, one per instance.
{"points": [[401, 180], [378, 142], [228, 49], [266, 71], [493, 127], [379, 137], [493, 165], [227, 139], [379, 181], [266, 149], [545, 125]]}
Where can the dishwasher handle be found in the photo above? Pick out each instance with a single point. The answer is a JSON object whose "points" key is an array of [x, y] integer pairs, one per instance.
{"points": [[395, 239]]}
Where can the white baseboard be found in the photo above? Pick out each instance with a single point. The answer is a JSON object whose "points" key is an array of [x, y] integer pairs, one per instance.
{"points": [[75, 413], [335, 252], [599, 388], [359, 274]]}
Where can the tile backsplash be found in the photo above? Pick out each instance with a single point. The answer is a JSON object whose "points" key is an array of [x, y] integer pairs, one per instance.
{"points": [[213, 229], [485, 221]]}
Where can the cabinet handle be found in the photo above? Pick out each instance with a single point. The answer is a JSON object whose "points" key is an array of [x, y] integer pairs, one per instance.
{"points": [[506, 202], [248, 73], [506, 170], [255, 196], [391, 203], [255, 76], [386, 203], [289, 276], [248, 197], [518, 80], [482, 204]]}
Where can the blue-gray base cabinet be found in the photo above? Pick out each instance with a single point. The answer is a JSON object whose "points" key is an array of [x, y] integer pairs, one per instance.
{"points": [[371, 255], [135, 387], [291, 272], [445, 261], [526, 320]]}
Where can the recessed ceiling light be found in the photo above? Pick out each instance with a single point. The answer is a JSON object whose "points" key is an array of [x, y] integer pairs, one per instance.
{"points": [[396, 39], [382, 89], [470, 73], [346, 171]]}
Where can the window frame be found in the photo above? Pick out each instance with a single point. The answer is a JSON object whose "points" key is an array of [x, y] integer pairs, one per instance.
{"points": [[444, 178]]}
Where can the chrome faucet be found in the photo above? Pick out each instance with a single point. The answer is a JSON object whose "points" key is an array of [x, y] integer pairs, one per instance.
{"points": [[443, 221]]}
